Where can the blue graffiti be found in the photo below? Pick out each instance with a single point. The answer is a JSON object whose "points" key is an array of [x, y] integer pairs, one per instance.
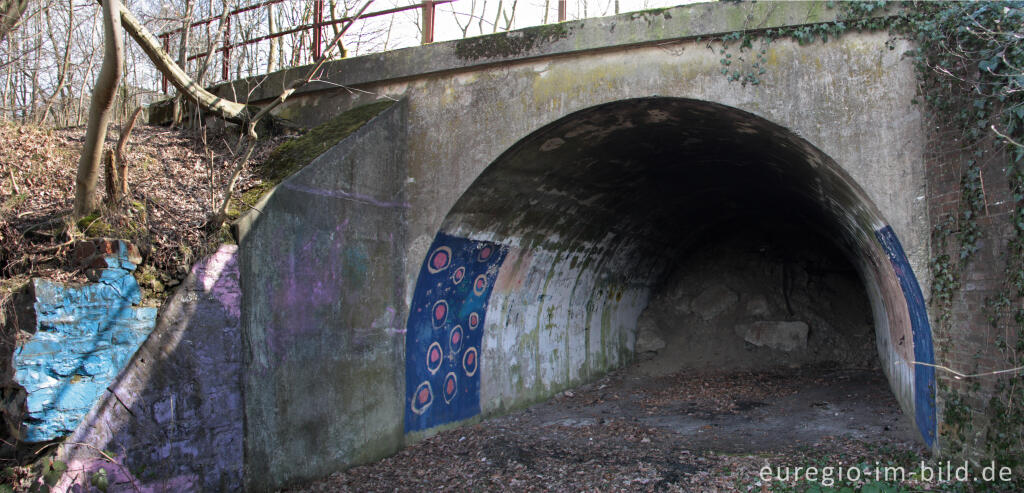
{"points": [[445, 330], [85, 335], [924, 376]]}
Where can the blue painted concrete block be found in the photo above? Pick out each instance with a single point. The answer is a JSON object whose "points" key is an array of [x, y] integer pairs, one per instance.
{"points": [[85, 335]]}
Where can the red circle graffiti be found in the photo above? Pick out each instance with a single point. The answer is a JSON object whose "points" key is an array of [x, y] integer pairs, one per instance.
{"points": [[424, 395], [434, 357], [469, 362], [456, 337], [485, 253], [439, 313], [450, 387], [474, 320], [440, 259]]}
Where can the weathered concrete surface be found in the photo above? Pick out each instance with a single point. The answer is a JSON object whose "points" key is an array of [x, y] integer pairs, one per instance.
{"points": [[173, 419], [841, 109], [651, 27], [594, 173], [84, 336], [850, 98], [322, 310]]}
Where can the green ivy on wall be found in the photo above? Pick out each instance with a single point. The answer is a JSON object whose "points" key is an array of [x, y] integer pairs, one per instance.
{"points": [[970, 62]]}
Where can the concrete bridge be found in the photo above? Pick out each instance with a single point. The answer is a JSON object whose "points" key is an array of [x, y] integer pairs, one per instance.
{"points": [[493, 237]]}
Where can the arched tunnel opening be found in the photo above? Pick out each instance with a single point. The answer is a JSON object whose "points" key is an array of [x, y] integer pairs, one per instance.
{"points": [[682, 235]]}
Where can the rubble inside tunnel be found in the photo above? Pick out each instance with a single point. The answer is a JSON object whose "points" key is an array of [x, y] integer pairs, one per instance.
{"points": [[758, 294], [721, 235]]}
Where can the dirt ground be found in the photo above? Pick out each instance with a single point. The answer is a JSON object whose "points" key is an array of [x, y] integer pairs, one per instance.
{"points": [[633, 432]]}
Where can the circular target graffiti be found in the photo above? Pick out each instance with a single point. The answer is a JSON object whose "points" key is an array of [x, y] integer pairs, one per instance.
{"points": [[480, 284], [422, 398], [470, 361], [485, 253], [455, 340], [459, 275], [474, 321], [439, 313], [439, 260], [434, 357], [451, 385]]}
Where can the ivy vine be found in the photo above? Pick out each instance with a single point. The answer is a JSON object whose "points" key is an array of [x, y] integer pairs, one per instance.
{"points": [[970, 62]]}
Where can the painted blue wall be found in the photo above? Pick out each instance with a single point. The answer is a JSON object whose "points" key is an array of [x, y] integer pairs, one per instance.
{"points": [[84, 336], [445, 328], [924, 376]]}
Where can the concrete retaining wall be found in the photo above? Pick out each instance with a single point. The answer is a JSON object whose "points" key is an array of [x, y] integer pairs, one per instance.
{"points": [[323, 310]]}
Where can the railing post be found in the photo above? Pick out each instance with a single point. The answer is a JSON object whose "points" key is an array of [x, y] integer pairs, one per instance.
{"points": [[428, 21], [561, 10], [318, 19], [167, 49], [225, 73]]}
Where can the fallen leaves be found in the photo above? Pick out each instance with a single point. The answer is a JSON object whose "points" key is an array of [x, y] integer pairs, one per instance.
{"points": [[595, 438]]}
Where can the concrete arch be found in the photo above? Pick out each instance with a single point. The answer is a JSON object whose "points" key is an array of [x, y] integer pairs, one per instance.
{"points": [[543, 265]]}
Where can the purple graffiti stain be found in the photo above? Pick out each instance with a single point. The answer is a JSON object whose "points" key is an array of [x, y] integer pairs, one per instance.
{"points": [[208, 273], [311, 281], [341, 194], [78, 477]]}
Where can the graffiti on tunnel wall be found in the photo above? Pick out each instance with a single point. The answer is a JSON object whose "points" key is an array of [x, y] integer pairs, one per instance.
{"points": [[444, 332], [924, 376]]}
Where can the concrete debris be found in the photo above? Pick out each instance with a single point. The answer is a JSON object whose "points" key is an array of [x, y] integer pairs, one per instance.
{"points": [[786, 336], [713, 301]]}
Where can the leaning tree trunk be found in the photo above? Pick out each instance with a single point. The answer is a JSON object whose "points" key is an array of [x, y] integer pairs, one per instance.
{"points": [[10, 13], [100, 109], [228, 110]]}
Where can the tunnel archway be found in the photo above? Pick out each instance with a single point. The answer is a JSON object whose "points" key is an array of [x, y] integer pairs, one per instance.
{"points": [[539, 274]]}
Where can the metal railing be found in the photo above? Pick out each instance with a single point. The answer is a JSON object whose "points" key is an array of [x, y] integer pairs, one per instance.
{"points": [[317, 27]]}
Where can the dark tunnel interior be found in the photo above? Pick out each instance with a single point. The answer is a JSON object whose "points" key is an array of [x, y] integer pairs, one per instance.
{"points": [[698, 233]]}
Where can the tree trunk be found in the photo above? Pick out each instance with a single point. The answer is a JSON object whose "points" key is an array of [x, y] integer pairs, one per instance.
{"points": [[271, 58], [228, 110], [10, 14], [110, 176], [99, 110], [186, 32], [65, 66], [120, 188]]}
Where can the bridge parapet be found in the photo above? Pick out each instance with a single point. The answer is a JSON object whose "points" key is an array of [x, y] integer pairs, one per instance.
{"points": [[646, 28]]}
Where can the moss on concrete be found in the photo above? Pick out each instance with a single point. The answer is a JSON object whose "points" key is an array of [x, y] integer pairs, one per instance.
{"points": [[510, 44], [294, 155]]}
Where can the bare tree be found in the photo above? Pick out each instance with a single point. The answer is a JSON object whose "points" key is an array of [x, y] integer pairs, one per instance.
{"points": [[99, 110], [186, 31], [228, 110], [10, 13], [271, 29]]}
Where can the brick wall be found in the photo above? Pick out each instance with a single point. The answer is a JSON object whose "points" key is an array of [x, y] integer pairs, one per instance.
{"points": [[967, 341]]}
